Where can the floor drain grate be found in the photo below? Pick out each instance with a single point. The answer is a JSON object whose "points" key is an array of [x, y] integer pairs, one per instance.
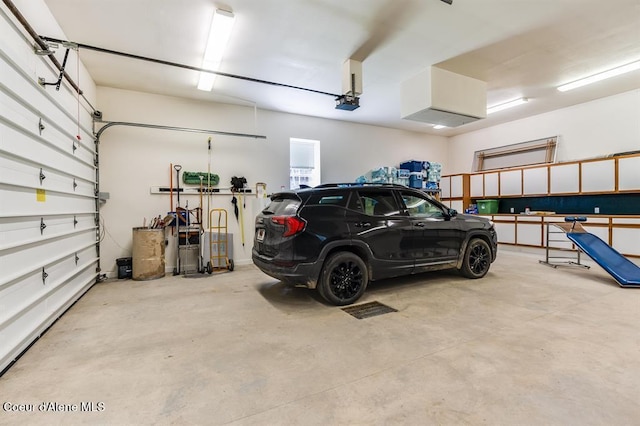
{"points": [[195, 275], [367, 310]]}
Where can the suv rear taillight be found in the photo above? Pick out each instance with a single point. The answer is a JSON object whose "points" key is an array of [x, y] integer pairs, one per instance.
{"points": [[292, 224]]}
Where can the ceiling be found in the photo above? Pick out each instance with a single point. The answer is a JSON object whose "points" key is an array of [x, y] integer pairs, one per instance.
{"points": [[521, 48]]}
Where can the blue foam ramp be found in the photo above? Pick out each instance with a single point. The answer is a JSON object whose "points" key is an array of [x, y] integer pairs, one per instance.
{"points": [[622, 269]]}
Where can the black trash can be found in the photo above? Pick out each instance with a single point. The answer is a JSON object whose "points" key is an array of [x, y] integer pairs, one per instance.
{"points": [[124, 267]]}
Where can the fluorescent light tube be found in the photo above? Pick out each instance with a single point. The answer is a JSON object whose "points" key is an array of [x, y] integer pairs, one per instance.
{"points": [[221, 26], [439, 126], [600, 76], [506, 105]]}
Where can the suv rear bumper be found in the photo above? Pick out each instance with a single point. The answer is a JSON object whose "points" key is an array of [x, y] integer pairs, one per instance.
{"points": [[299, 274]]}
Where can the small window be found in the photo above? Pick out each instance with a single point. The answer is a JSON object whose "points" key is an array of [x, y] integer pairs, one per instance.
{"points": [[420, 207], [304, 163], [539, 151], [328, 199]]}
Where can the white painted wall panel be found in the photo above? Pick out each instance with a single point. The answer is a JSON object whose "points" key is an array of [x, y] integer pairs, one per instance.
{"points": [[588, 130], [144, 156], [48, 208]]}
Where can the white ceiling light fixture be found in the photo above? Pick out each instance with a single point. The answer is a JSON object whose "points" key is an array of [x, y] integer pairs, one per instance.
{"points": [[221, 26], [510, 104], [439, 126], [600, 76]]}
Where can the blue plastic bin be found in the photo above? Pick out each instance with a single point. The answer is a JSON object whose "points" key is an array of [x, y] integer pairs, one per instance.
{"points": [[413, 165], [415, 181]]}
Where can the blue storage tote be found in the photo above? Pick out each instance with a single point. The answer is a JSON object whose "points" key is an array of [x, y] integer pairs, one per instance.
{"points": [[415, 181], [413, 166], [404, 173]]}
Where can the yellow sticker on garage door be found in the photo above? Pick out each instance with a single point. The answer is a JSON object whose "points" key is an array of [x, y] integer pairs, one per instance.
{"points": [[41, 195]]}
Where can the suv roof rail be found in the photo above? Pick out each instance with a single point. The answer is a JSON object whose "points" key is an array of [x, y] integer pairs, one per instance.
{"points": [[349, 184]]}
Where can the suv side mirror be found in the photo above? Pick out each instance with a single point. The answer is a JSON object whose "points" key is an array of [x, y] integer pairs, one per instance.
{"points": [[452, 213]]}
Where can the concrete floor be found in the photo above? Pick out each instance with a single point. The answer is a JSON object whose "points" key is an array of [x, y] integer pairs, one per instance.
{"points": [[527, 344]]}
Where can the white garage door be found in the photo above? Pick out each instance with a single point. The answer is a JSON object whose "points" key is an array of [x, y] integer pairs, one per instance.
{"points": [[48, 185]]}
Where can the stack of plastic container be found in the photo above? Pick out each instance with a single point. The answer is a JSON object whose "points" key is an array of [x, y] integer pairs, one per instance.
{"points": [[403, 177], [386, 174], [416, 172], [433, 174]]}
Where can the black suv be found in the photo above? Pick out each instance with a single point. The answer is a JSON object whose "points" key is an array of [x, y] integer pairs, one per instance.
{"points": [[337, 237]]}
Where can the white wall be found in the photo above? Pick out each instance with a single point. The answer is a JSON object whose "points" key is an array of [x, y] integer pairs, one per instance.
{"points": [[597, 128], [133, 159]]}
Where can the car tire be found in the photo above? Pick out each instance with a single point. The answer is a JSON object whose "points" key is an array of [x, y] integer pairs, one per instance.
{"points": [[343, 279], [477, 259]]}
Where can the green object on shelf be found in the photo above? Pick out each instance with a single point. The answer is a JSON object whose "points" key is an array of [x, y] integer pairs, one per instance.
{"points": [[193, 178], [487, 206]]}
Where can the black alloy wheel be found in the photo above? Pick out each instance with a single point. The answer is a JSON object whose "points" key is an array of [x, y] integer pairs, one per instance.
{"points": [[344, 279], [477, 259]]}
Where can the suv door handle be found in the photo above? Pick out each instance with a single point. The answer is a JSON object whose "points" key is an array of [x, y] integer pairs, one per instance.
{"points": [[362, 224], [420, 225]]}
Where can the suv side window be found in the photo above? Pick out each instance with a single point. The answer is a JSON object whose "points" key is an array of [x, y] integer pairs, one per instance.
{"points": [[374, 203], [420, 206], [329, 198]]}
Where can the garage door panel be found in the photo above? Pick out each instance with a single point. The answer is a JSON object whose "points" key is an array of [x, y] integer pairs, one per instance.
{"points": [[18, 262], [60, 130], [18, 296], [16, 172], [48, 232], [62, 291], [21, 329], [36, 150], [15, 45], [17, 231], [29, 202], [31, 93], [38, 144], [46, 105], [12, 112]]}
